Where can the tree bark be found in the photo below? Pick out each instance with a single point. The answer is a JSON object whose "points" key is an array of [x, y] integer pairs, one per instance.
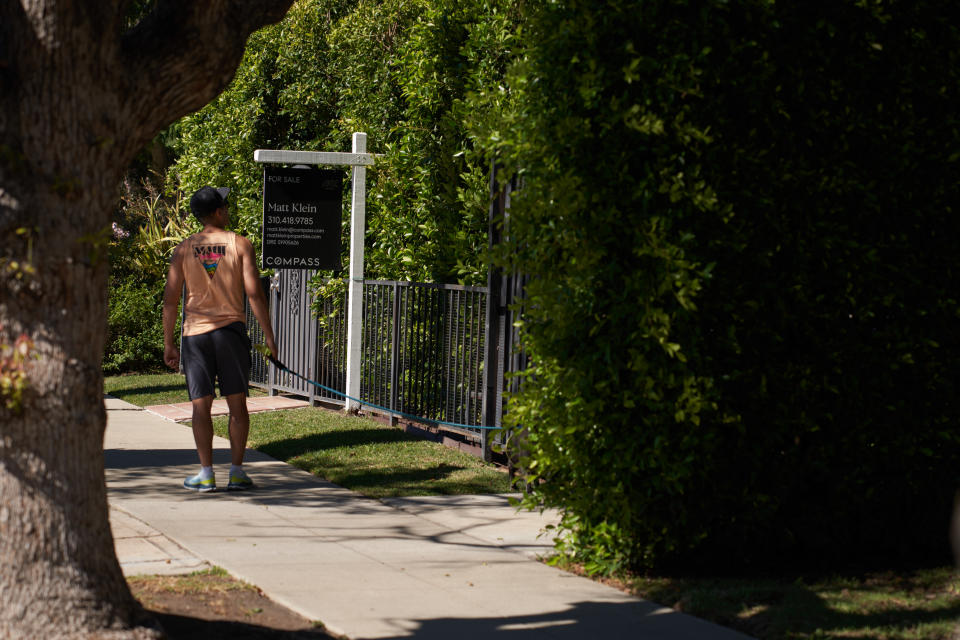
{"points": [[78, 99]]}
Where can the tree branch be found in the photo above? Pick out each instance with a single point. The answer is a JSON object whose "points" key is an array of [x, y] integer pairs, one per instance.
{"points": [[184, 54]]}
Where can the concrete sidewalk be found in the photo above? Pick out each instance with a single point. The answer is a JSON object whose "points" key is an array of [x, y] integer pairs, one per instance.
{"points": [[440, 567], [183, 411]]}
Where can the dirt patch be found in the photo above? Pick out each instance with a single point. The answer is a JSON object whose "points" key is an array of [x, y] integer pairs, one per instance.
{"points": [[212, 604]]}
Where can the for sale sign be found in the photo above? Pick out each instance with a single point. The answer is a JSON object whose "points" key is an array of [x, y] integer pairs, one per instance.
{"points": [[301, 218]]}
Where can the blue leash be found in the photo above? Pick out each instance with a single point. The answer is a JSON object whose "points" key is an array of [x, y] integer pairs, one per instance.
{"points": [[410, 416]]}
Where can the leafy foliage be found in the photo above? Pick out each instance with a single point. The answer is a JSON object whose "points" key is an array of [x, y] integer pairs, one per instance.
{"points": [[149, 229], [215, 145], [13, 375], [400, 71], [134, 328], [14, 355], [740, 309]]}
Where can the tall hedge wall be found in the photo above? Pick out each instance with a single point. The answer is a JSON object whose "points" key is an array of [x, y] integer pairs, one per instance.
{"points": [[743, 318]]}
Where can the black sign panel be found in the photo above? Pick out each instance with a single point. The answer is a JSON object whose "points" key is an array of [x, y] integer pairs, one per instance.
{"points": [[301, 218]]}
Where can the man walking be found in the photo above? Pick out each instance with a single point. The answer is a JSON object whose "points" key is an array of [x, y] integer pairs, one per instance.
{"points": [[217, 266]]}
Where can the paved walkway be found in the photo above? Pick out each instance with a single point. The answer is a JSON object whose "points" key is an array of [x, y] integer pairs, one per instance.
{"points": [[440, 567], [183, 411]]}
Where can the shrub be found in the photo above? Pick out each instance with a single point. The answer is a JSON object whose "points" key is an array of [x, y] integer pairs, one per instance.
{"points": [[741, 314], [150, 227], [135, 328]]}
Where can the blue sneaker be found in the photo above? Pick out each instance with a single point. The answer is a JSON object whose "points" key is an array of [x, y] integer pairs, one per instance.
{"points": [[239, 481], [202, 485]]}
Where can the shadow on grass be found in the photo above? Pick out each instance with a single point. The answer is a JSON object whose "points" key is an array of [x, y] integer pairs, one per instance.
{"points": [[360, 472], [405, 481], [293, 447], [777, 611]]}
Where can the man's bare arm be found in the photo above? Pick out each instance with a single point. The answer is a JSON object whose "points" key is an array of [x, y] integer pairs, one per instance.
{"points": [[171, 300], [251, 285]]}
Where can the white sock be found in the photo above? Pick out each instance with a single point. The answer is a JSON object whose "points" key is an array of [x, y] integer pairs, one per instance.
{"points": [[236, 469], [206, 472]]}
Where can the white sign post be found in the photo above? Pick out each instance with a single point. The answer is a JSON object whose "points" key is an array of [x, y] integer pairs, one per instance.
{"points": [[358, 222], [359, 159]]}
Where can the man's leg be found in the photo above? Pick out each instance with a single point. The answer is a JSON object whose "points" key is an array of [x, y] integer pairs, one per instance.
{"points": [[203, 429], [239, 429], [233, 371], [199, 366], [203, 437], [239, 426]]}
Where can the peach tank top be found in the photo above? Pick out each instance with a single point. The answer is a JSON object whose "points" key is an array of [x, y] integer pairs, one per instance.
{"points": [[212, 273]]}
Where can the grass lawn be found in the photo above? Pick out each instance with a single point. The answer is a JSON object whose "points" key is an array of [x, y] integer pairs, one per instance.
{"points": [[148, 389], [374, 459], [919, 605]]}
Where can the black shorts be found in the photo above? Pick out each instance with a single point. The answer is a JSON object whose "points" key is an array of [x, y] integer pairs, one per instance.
{"points": [[222, 354]]}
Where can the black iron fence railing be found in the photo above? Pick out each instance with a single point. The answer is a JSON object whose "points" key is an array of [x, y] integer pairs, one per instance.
{"points": [[423, 350], [423, 347]]}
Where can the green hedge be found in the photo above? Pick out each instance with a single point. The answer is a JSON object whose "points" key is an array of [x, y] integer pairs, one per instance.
{"points": [[742, 319], [402, 71], [135, 328]]}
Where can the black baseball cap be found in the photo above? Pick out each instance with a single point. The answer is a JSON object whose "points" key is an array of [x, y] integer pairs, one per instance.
{"points": [[207, 200]]}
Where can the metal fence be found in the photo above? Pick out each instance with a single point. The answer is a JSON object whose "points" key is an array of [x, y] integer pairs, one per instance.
{"points": [[423, 347]]}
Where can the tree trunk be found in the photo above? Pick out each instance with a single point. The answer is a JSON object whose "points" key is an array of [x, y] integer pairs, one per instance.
{"points": [[78, 99]]}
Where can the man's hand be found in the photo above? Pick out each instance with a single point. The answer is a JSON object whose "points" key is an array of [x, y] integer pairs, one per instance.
{"points": [[265, 350], [171, 355], [251, 286]]}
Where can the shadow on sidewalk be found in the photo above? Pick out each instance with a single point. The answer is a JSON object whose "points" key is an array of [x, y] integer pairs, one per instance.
{"points": [[187, 628], [152, 473], [637, 620], [291, 496]]}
